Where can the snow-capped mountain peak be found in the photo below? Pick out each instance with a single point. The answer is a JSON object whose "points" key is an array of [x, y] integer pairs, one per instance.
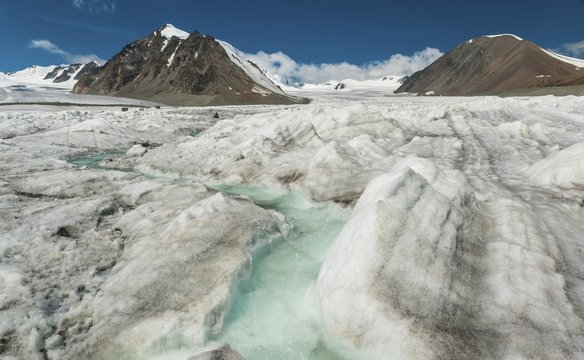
{"points": [[168, 31], [191, 61]]}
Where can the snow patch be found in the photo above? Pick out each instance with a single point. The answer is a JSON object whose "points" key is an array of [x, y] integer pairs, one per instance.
{"points": [[579, 63], [249, 68], [168, 31], [164, 45], [499, 35], [171, 58]]}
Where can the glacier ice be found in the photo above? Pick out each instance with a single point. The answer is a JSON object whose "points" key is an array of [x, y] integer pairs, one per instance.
{"points": [[463, 239]]}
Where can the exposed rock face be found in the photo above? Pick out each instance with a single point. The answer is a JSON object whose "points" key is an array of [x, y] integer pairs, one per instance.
{"points": [[170, 66], [224, 352], [88, 68], [491, 65], [64, 73]]}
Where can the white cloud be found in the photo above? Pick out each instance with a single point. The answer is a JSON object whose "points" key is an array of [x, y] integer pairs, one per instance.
{"points": [[96, 6], [574, 49], [285, 67], [69, 57]]}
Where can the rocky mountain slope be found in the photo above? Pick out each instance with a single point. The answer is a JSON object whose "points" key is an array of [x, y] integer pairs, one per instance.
{"points": [[495, 64], [174, 67]]}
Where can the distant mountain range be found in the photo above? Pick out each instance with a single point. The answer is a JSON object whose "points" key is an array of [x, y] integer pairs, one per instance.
{"points": [[174, 67], [496, 64], [386, 83]]}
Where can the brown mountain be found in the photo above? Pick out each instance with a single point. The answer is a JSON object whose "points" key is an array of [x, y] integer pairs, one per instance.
{"points": [[492, 65], [173, 67]]}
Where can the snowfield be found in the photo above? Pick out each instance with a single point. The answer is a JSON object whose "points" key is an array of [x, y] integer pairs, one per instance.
{"points": [[29, 87], [358, 226]]}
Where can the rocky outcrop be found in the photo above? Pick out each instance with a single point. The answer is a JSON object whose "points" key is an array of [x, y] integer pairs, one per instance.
{"points": [[63, 73], [88, 68], [493, 65], [176, 68], [223, 352]]}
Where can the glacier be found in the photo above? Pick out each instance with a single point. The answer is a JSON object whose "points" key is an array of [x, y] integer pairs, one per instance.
{"points": [[358, 226]]}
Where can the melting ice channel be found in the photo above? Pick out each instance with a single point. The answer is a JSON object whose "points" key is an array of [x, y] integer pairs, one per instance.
{"points": [[275, 313]]}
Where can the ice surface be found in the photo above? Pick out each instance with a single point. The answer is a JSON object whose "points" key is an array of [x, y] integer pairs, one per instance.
{"points": [[463, 241]]}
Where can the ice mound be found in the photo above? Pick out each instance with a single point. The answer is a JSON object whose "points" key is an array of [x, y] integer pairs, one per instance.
{"points": [[403, 279], [232, 151], [564, 168], [330, 151], [341, 171], [151, 300], [400, 254]]}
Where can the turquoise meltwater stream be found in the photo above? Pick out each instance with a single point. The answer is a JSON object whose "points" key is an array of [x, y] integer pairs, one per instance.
{"points": [[275, 314]]}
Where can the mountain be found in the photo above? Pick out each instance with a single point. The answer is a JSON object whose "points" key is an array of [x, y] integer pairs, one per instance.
{"points": [[495, 64], [384, 83], [174, 67], [62, 76], [388, 83]]}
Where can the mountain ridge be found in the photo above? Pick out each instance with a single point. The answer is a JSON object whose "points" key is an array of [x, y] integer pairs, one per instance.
{"points": [[62, 75], [170, 67], [493, 64]]}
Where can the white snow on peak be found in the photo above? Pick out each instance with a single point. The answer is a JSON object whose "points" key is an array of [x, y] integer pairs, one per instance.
{"points": [[168, 31], [499, 35], [570, 60], [251, 70]]}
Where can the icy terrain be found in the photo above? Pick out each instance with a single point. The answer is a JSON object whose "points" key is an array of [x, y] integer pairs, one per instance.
{"points": [[29, 87], [358, 226]]}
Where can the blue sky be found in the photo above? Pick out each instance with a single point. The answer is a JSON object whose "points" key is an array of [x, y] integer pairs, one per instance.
{"points": [[353, 33]]}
